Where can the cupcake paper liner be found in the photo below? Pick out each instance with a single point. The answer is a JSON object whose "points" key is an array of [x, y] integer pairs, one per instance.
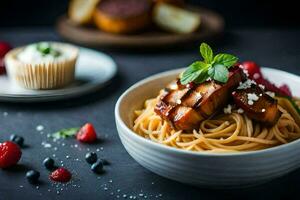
{"points": [[48, 75]]}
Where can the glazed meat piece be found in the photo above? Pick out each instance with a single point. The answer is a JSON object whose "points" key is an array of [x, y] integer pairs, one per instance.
{"points": [[185, 106], [257, 104]]}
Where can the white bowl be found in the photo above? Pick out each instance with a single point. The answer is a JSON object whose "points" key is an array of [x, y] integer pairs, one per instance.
{"points": [[203, 169]]}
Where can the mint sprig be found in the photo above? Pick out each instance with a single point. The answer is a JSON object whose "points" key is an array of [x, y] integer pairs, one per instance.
{"points": [[214, 67], [65, 133]]}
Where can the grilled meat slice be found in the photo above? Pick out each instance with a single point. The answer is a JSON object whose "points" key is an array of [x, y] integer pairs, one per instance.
{"points": [[257, 104], [185, 106]]}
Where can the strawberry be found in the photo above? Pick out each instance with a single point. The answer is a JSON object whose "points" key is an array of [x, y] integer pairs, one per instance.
{"points": [[253, 69], [87, 134], [61, 175], [10, 154]]}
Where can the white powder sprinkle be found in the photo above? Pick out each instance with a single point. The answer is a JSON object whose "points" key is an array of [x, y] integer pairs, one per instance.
{"points": [[263, 110], [46, 145], [256, 76], [40, 128]]}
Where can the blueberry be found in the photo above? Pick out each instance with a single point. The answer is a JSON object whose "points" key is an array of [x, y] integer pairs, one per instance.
{"points": [[91, 157], [97, 167], [17, 139], [48, 163], [33, 176]]}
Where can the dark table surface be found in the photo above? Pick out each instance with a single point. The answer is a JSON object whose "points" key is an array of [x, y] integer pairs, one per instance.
{"points": [[124, 177]]}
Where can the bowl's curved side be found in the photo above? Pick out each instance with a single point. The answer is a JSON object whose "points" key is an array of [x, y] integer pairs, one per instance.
{"points": [[216, 171], [201, 169]]}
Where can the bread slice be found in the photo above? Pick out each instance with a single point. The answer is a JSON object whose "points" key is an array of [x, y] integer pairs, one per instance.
{"points": [[175, 19], [81, 11]]}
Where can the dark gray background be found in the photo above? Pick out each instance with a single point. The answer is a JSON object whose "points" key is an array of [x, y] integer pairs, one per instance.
{"points": [[269, 47], [237, 13]]}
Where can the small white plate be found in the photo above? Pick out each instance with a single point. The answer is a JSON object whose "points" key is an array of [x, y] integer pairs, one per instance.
{"points": [[93, 70]]}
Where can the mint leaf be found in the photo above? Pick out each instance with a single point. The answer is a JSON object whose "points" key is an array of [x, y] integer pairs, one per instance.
{"points": [[192, 72], [64, 133], [214, 67], [201, 77], [206, 53], [225, 59], [219, 73]]}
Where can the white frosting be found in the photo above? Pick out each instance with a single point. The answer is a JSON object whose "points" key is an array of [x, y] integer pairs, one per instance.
{"points": [[31, 54]]}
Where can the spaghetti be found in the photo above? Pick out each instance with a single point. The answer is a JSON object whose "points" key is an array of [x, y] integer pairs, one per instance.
{"points": [[232, 132]]}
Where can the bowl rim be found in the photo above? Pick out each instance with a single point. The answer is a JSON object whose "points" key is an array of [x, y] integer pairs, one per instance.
{"points": [[119, 121]]}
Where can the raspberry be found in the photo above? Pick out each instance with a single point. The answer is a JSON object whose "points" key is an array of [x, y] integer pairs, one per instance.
{"points": [[10, 154], [87, 134], [61, 175], [282, 90], [256, 75], [286, 90]]}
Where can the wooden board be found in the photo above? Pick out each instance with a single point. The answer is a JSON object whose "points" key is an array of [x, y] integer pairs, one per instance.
{"points": [[212, 25]]}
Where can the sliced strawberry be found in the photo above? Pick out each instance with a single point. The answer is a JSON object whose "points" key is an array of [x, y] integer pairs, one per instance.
{"points": [[87, 134]]}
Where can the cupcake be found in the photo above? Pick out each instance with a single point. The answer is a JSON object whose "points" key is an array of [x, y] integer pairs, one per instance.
{"points": [[121, 17], [44, 65]]}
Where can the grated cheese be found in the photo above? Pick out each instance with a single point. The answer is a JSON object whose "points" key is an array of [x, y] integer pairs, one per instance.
{"points": [[251, 98], [227, 110], [246, 84]]}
